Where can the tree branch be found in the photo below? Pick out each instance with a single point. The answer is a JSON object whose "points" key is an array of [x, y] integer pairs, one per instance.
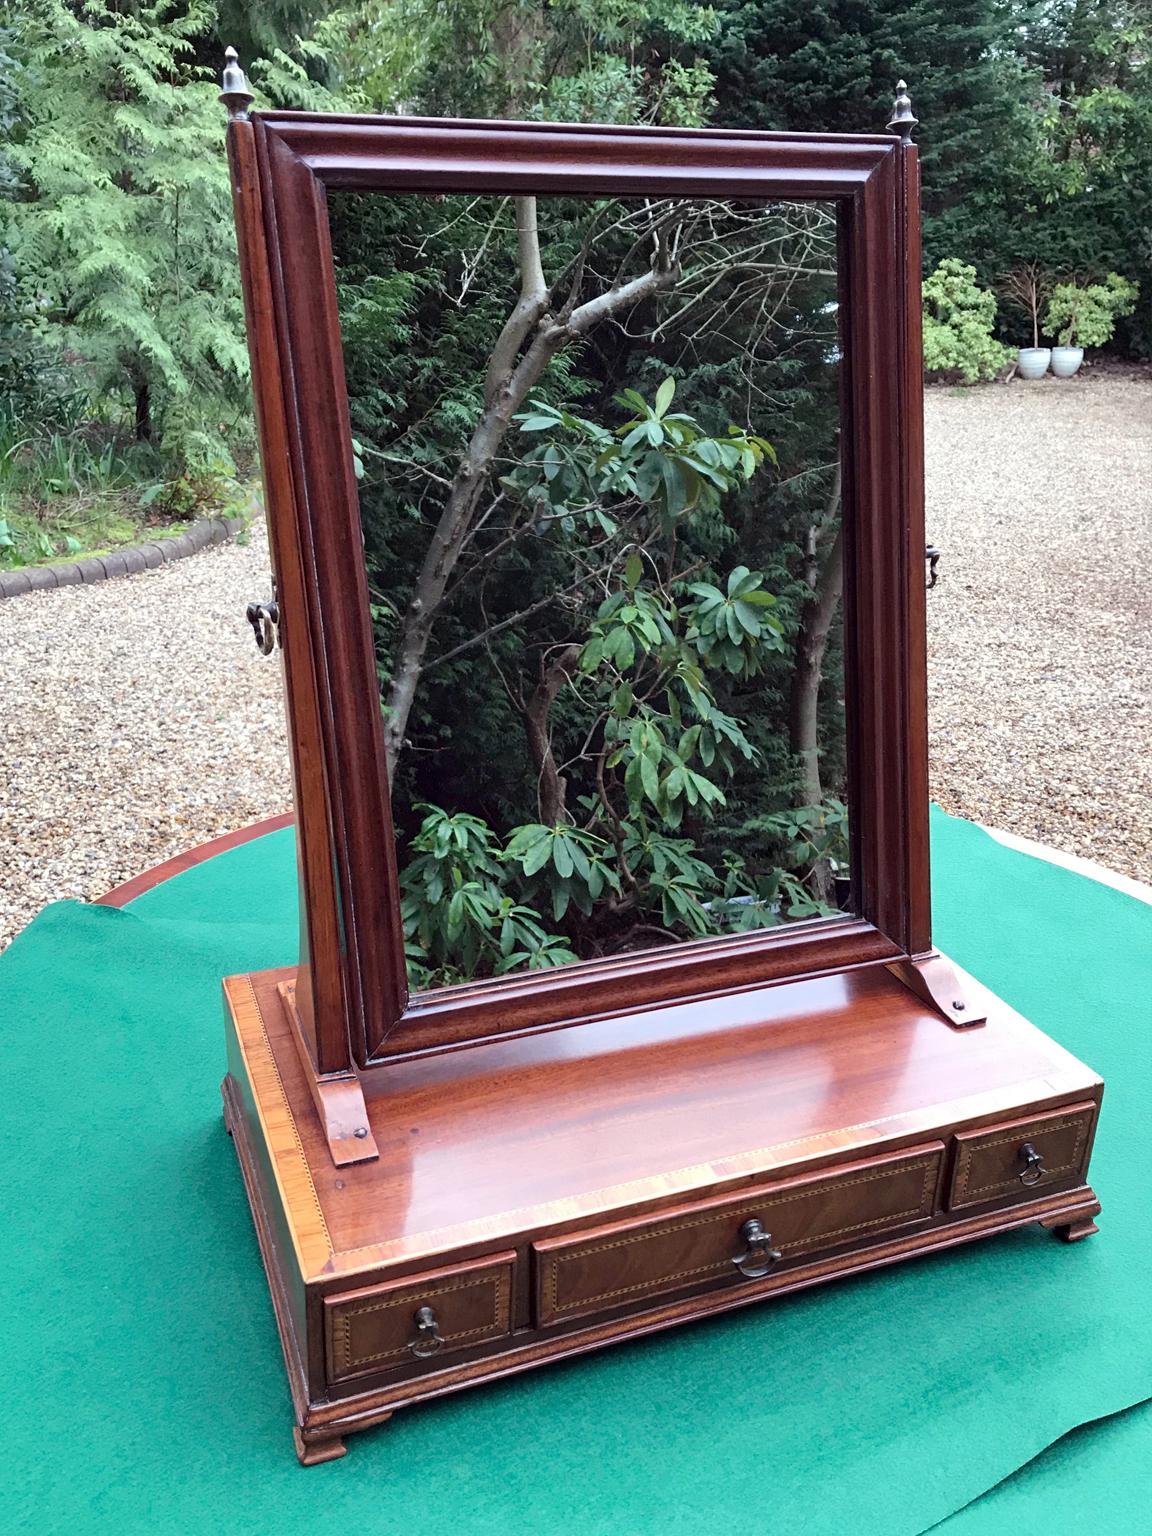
{"points": [[531, 305], [811, 643]]}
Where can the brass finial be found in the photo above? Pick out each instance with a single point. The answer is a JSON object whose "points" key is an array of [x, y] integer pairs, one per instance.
{"points": [[902, 121], [235, 94]]}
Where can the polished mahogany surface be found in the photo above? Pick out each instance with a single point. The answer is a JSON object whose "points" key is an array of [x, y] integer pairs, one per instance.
{"points": [[352, 997], [557, 1164], [477, 1146]]}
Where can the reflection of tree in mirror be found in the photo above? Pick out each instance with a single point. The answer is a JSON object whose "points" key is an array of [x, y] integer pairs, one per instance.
{"points": [[600, 494]]}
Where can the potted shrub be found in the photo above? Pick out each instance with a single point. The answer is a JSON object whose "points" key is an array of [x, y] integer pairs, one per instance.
{"points": [[958, 320], [1028, 288], [1085, 315]]}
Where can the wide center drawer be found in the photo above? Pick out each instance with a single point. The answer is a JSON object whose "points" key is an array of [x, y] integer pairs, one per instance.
{"points": [[621, 1264], [422, 1317]]}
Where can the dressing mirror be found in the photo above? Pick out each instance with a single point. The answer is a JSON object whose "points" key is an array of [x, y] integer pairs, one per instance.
{"points": [[610, 509], [594, 473]]}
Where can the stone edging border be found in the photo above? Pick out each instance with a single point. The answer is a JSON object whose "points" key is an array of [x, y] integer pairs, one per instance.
{"points": [[122, 562]]}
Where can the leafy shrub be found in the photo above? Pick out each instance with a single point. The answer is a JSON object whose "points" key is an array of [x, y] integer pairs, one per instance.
{"points": [[1086, 316], [459, 920], [958, 321], [472, 907], [64, 493], [35, 386]]}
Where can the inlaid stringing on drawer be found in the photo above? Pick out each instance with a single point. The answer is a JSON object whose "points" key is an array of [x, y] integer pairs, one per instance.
{"points": [[373, 1329], [989, 1164], [611, 1266]]}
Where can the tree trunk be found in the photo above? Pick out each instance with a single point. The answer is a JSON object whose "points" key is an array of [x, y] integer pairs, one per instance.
{"points": [[511, 376], [551, 786], [811, 642], [143, 398], [447, 543]]}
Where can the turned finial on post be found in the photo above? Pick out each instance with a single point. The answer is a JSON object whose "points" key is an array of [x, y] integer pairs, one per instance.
{"points": [[902, 121], [235, 93]]}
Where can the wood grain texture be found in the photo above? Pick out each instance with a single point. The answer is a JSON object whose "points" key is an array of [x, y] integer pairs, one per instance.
{"points": [[313, 1453], [276, 1122], [327, 1411], [345, 809], [625, 1262], [569, 1160], [989, 1163], [322, 979], [373, 1328], [445, 155], [518, 1138]]}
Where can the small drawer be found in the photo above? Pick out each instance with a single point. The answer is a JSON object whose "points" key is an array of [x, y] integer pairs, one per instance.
{"points": [[422, 1318], [1021, 1156], [628, 1261]]}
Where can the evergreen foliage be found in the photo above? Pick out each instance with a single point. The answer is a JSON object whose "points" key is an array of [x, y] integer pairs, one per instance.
{"points": [[958, 320], [1079, 196], [832, 65], [122, 236], [622, 61], [119, 221], [1036, 119]]}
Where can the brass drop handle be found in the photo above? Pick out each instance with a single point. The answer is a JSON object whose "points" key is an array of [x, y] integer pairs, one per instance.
{"points": [[428, 1337], [264, 617], [265, 621], [1033, 1170], [759, 1255]]}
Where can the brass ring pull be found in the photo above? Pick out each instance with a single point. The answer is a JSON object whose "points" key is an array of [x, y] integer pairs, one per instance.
{"points": [[1033, 1169], [428, 1337], [264, 619], [759, 1255]]}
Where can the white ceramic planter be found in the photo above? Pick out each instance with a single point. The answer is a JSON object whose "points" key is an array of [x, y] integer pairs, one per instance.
{"points": [[1066, 361], [1032, 362]]}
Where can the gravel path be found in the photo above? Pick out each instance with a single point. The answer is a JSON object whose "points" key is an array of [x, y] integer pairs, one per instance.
{"points": [[140, 720], [1040, 630]]}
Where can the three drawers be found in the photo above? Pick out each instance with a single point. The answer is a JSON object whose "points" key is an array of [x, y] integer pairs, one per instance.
{"points": [[732, 1237], [1021, 1156], [726, 1240]]}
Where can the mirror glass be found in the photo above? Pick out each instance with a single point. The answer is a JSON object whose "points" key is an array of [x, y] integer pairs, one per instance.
{"points": [[597, 447]]}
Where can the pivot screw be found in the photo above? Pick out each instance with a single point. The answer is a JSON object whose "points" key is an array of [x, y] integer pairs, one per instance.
{"points": [[360, 1132]]}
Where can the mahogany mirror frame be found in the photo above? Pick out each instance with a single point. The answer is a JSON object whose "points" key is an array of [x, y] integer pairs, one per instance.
{"points": [[354, 1008]]}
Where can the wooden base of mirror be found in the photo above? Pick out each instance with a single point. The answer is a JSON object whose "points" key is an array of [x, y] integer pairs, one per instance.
{"points": [[541, 1197]]}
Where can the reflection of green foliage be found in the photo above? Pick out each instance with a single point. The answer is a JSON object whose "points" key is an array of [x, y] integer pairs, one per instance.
{"points": [[639, 557], [661, 459], [458, 920], [649, 752], [473, 908]]}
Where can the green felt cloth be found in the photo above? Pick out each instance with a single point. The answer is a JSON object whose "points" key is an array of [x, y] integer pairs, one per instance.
{"points": [[1096, 1481], [145, 1385]]}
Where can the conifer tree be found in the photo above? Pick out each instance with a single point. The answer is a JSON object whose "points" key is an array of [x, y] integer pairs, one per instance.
{"points": [[122, 235], [830, 66]]}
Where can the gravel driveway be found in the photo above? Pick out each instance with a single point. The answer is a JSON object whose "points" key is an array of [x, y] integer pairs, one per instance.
{"points": [[1040, 630], [140, 720]]}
